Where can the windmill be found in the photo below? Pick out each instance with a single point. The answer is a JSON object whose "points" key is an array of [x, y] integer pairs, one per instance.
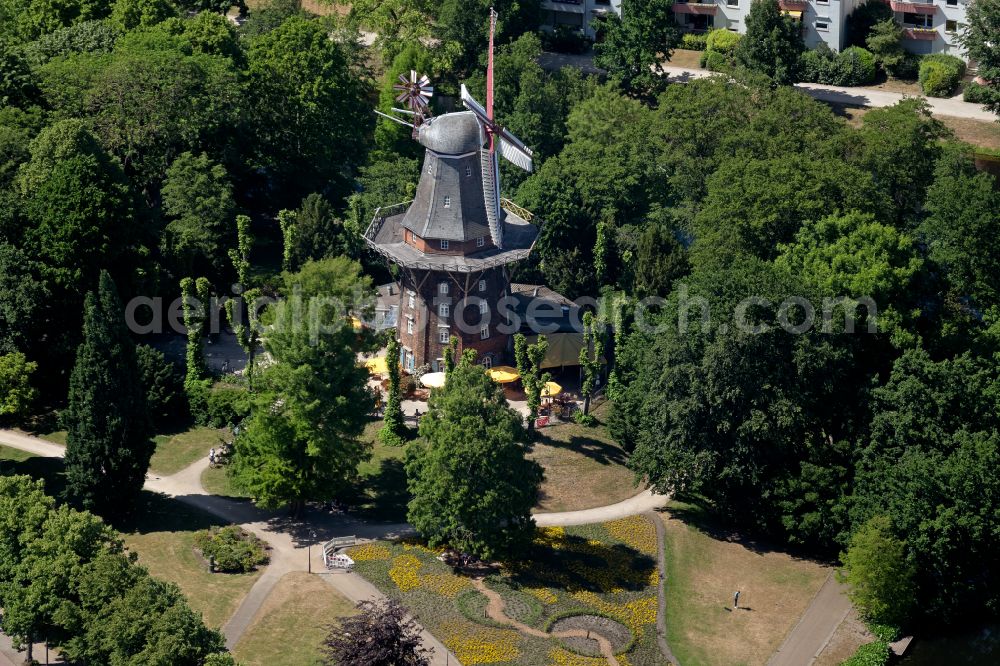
{"points": [[415, 93], [512, 148]]}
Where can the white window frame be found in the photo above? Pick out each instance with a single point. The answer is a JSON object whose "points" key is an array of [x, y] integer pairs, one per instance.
{"points": [[443, 336], [444, 245], [484, 333], [733, 4], [823, 22], [444, 310], [481, 241], [443, 288], [468, 171], [953, 31], [409, 326], [484, 307], [487, 362], [447, 201], [482, 285], [411, 300]]}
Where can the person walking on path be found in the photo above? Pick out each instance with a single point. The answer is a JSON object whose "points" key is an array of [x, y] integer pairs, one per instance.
{"points": [[736, 600]]}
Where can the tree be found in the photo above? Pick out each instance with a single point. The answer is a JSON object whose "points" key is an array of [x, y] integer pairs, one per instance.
{"points": [[240, 310], [128, 15], [28, 20], [379, 634], [981, 38], [636, 44], [529, 365], [591, 356], [16, 391], [17, 84], [198, 199], [194, 315], [885, 41], [879, 573], [307, 118], [317, 232], [108, 443], [451, 354], [960, 228], [393, 427], [472, 486], [772, 44], [396, 23], [301, 441], [164, 385], [863, 18]]}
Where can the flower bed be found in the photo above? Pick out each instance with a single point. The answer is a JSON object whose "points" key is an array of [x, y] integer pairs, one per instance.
{"points": [[607, 570]]}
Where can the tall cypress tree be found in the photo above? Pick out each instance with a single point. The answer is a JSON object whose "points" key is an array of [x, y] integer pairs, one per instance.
{"points": [[108, 443]]}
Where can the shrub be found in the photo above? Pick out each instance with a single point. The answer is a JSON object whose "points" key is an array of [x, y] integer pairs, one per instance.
{"points": [[940, 74], [407, 385], [861, 65], [721, 40], [217, 406], [716, 62], [976, 93], [164, 385], [694, 42], [870, 654], [233, 549]]}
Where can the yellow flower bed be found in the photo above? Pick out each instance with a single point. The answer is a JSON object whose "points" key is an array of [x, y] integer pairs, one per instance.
{"points": [[563, 657], [543, 594], [551, 537], [475, 644], [368, 552], [445, 584], [405, 572], [635, 531], [633, 614], [412, 543]]}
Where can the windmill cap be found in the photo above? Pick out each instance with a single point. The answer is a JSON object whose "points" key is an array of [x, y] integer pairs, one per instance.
{"points": [[451, 134]]}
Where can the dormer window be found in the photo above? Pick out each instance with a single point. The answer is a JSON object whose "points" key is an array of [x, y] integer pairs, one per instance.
{"points": [[444, 245], [482, 285], [447, 202], [481, 241], [430, 164], [443, 288]]}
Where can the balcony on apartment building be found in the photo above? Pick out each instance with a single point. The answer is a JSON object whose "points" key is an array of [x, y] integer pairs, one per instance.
{"points": [[924, 34], [793, 5], [568, 6], [701, 8], [912, 7]]}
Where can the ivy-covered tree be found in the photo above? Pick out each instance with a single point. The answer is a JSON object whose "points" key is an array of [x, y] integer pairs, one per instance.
{"points": [[108, 443], [472, 486], [529, 358], [393, 427], [981, 39], [591, 358]]}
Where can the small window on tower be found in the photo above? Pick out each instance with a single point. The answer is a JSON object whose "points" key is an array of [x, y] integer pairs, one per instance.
{"points": [[447, 202], [482, 285], [481, 241], [468, 171], [444, 310], [444, 245], [484, 332], [443, 336], [443, 288], [411, 301], [483, 307], [430, 164], [409, 326]]}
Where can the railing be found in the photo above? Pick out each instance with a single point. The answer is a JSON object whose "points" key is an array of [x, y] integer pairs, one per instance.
{"points": [[695, 7], [912, 7], [512, 207], [793, 5], [925, 34], [378, 219]]}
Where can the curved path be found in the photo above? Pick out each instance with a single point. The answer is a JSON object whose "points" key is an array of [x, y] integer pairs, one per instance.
{"points": [[291, 541], [495, 609]]}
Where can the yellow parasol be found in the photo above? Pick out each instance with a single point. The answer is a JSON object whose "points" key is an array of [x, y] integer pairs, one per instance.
{"points": [[356, 323], [377, 366], [433, 379], [504, 374], [550, 389]]}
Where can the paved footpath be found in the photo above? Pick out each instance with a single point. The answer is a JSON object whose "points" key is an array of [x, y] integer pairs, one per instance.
{"points": [[870, 97], [816, 626]]}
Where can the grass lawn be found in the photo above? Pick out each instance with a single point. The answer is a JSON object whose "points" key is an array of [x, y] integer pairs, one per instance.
{"points": [[15, 461], [163, 536], [705, 566], [290, 626], [215, 482], [685, 58], [584, 467], [607, 569], [980, 133], [177, 451]]}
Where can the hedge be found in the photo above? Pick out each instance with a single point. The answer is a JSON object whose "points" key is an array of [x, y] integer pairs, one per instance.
{"points": [[976, 93], [231, 548], [940, 74], [721, 40], [693, 41], [870, 654], [854, 66], [217, 406], [715, 61]]}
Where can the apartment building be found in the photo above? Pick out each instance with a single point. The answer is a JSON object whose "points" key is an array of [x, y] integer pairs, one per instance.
{"points": [[929, 27], [577, 14]]}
